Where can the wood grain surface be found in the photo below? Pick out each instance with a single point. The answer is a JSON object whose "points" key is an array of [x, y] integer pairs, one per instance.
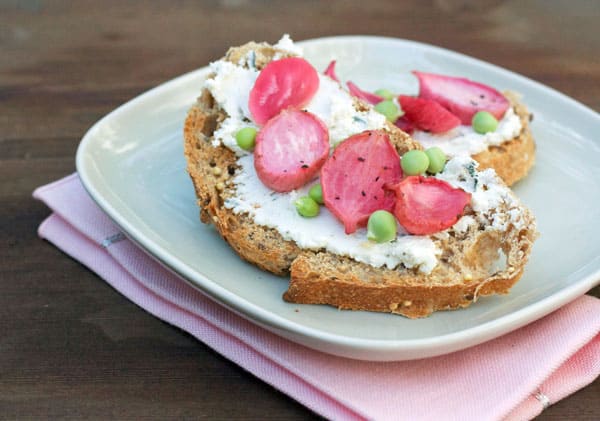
{"points": [[73, 348]]}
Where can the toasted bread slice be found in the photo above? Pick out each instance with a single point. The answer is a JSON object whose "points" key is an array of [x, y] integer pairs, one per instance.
{"points": [[465, 269]]}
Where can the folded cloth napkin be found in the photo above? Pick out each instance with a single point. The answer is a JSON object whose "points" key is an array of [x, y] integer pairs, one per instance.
{"points": [[515, 376]]}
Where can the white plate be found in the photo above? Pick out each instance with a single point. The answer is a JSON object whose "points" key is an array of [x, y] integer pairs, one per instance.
{"points": [[131, 162]]}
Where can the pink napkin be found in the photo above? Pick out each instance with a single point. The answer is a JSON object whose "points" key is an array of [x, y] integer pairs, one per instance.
{"points": [[512, 377]]}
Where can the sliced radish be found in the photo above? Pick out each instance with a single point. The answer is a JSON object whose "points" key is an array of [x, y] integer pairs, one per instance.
{"points": [[290, 149], [330, 71], [428, 115], [352, 179], [461, 96], [426, 205], [404, 124], [364, 95], [287, 83]]}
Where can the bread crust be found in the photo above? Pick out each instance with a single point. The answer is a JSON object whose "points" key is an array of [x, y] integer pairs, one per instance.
{"points": [[319, 277]]}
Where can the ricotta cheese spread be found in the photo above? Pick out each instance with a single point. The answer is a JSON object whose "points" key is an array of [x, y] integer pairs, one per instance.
{"points": [[230, 86], [494, 204], [286, 44], [463, 140]]}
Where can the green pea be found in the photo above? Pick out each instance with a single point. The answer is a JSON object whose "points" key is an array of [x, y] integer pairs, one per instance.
{"points": [[437, 160], [316, 193], [389, 110], [307, 207], [414, 162], [381, 226], [246, 138], [385, 93], [483, 122]]}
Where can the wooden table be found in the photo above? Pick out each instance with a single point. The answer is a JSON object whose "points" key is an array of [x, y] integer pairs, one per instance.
{"points": [[70, 346]]}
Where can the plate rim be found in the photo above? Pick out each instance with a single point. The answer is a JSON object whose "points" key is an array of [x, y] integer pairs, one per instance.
{"points": [[353, 347]]}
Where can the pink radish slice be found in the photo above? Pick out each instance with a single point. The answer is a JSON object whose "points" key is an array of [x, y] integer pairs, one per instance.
{"points": [[404, 124], [461, 96], [364, 95], [352, 179], [330, 71], [426, 205], [290, 149], [428, 115], [286, 83]]}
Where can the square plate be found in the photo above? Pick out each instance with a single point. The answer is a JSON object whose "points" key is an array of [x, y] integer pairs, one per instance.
{"points": [[132, 164]]}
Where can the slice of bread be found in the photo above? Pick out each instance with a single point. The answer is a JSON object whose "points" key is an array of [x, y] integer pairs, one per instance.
{"points": [[465, 270]]}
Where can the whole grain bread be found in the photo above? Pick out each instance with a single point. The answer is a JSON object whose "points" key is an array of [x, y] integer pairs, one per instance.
{"points": [[465, 271]]}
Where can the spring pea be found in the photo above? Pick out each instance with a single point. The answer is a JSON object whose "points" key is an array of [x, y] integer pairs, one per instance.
{"points": [[385, 93], [437, 160], [484, 122], [246, 138], [316, 193], [414, 162], [307, 207], [389, 110], [381, 226]]}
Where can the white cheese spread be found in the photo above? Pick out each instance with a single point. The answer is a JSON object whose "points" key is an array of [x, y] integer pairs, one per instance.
{"points": [[494, 204], [463, 140], [335, 107], [286, 44], [230, 86]]}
